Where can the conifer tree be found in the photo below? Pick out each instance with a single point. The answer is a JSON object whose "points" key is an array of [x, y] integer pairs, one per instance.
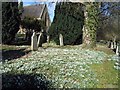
{"points": [[10, 21], [68, 21]]}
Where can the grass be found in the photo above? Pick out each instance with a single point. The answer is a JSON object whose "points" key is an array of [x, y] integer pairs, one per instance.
{"points": [[7, 47], [104, 48], [107, 75], [67, 67], [10, 52], [20, 35]]}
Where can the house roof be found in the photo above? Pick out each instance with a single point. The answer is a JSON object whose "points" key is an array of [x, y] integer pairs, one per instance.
{"points": [[34, 11]]}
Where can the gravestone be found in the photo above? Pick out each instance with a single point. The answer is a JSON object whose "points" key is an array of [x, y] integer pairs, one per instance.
{"points": [[118, 50], [117, 63], [34, 42], [48, 39], [61, 40], [115, 45], [39, 43], [112, 45]]}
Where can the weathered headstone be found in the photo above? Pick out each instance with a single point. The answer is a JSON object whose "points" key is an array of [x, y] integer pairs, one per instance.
{"points": [[48, 38], [39, 43], [34, 42], [61, 40], [112, 45], [118, 50], [115, 45]]}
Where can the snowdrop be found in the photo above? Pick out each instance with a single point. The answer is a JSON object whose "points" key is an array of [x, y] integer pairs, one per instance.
{"points": [[70, 62]]}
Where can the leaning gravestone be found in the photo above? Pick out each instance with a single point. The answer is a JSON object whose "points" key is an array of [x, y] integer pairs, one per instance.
{"points": [[39, 43], [34, 42], [61, 40]]}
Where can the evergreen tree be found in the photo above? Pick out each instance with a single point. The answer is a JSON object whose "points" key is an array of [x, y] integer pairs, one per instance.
{"points": [[31, 24], [68, 21], [10, 21]]}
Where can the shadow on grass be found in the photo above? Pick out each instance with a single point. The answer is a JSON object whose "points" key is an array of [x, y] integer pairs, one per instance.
{"points": [[20, 42], [25, 81], [13, 54]]}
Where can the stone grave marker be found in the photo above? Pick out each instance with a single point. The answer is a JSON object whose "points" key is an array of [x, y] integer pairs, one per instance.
{"points": [[61, 40], [48, 39], [39, 43], [115, 45], [118, 50], [112, 45], [117, 63], [34, 42]]}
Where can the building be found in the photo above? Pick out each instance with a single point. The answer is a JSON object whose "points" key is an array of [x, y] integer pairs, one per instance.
{"points": [[38, 11]]}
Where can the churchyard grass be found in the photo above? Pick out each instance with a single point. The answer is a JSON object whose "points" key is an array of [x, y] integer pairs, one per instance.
{"points": [[107, 75], [68, 67]]}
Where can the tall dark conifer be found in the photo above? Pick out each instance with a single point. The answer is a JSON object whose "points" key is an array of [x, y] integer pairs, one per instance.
{"points": [[10, 21], [68, 21]]}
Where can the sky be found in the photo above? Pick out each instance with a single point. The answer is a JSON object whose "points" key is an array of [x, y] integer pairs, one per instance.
{"points": [[51, 6]]}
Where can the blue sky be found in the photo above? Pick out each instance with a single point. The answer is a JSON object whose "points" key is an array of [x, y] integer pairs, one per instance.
{"points": [[51, 6]]}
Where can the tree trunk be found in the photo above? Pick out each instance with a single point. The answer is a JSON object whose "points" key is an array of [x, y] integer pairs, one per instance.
{"points": [[91, 24]]}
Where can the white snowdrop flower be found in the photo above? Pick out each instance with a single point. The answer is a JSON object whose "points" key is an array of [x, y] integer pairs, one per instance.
{"points": [[82, 76]]}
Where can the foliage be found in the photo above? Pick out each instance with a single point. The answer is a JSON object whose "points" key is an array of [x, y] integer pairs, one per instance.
{"points": [[23, 81], [109, 21], [68, 21], [91, 23], [31, 23], [10, 21]]}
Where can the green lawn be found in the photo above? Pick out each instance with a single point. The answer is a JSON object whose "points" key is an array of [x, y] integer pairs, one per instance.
{"points": [[107, 75], [10, 52]]}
